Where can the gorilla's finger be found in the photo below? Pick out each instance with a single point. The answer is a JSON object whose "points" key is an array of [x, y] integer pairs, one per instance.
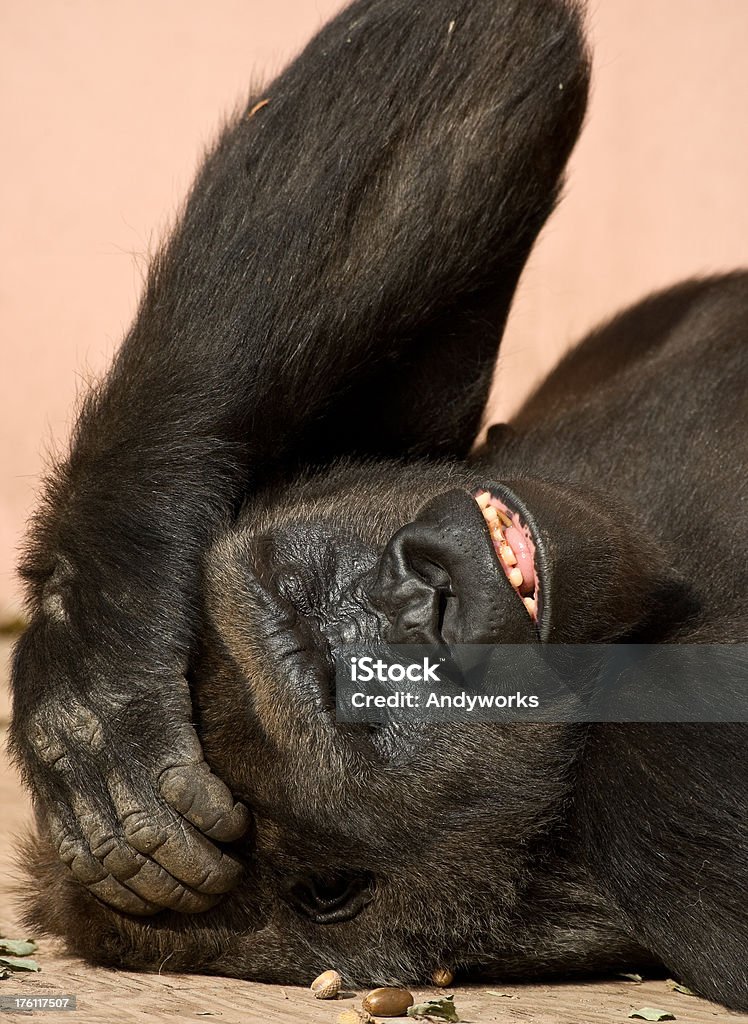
{"points": [[149, 880], [157, 831], [73, 850], [143, 876], [201, 797]]}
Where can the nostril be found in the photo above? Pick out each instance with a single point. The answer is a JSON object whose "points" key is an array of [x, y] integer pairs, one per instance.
{"points": [[331, 898], [444, 598], [415, 616], [410, 590]]}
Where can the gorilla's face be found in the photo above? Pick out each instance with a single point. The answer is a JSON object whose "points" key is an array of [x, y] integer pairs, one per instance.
{"points": [[379, 850], [386, 851]]}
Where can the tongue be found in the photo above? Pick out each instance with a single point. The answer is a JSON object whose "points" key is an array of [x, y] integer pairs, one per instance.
{"points": [[524, 552]]}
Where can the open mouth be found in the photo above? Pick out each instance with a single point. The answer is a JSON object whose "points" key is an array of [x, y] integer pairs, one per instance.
{"points": [[514, 547]]}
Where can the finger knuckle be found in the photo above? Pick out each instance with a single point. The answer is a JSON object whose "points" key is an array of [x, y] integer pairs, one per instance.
{"points": [[144, 834], [119, 859]]}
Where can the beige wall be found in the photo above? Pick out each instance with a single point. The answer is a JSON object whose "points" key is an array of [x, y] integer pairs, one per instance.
{"points": [[106, 106]]}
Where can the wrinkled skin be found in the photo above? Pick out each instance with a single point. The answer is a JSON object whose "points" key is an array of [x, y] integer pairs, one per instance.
{"points": [[279, 464]]}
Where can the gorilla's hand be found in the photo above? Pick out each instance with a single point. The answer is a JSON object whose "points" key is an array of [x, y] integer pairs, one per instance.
{"points": [[123, 791]]}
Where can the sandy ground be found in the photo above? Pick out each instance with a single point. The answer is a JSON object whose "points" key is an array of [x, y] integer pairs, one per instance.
{"points": [[119, 996]]}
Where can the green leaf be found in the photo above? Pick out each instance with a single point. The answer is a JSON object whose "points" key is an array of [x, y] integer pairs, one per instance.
{"points": [[632, 977], [15, 963], [439, 1009], [18, 947], [675, 986], [650, 1013]]}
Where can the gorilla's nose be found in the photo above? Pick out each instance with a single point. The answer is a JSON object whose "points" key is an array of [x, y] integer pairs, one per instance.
{"points": [[439, 581]]}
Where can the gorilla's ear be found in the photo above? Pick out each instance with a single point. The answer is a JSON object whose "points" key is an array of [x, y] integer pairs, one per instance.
{"points": [[376, 212], [589, 572]]}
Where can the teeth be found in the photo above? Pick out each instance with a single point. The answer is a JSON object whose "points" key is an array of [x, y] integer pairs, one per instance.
{"points": [[495, 519], [507, 555], [516, 578]]}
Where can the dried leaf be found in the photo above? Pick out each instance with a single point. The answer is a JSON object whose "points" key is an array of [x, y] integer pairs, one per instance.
{"points": [[675, 986], [632, 977], [18, 947], [437, 1009], [650, 1013], [502, 995]]}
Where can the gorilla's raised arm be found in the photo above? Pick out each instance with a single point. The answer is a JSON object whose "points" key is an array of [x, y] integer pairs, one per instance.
{"points": [[379, 203]]}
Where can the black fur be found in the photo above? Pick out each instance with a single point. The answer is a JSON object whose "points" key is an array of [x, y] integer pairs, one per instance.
{"points": [[279, 450]]}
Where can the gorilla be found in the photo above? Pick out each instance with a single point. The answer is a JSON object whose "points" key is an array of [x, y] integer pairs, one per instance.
{"points": [[280, 462]]}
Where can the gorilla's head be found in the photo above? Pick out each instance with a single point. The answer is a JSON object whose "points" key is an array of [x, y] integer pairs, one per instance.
{"points": [[388, 850]]}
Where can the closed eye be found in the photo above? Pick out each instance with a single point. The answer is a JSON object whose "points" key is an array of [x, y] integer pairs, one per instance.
{"points": [[332, 898]]}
